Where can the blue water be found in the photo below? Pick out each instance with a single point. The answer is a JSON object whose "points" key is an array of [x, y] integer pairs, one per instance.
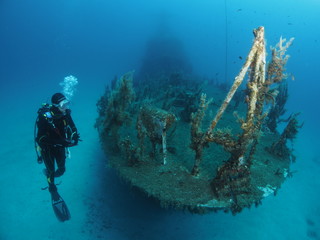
{"points": [[41, 42]]}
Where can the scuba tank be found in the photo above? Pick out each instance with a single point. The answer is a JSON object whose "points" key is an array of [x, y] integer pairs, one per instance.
{"points": [[44, 111]]}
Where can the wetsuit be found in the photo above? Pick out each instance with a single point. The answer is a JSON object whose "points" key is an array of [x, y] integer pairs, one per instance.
{"points": [[56, 131]]}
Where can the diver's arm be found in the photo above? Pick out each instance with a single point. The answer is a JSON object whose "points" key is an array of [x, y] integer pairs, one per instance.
{"points": [[71, 122], [42, 135], [75, 134]]}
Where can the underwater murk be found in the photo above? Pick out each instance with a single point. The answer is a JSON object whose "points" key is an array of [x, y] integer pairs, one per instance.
{"points": [[199, 144]]}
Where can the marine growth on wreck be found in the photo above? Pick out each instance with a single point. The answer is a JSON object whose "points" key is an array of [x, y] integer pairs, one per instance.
{"points": [[200, 145]]}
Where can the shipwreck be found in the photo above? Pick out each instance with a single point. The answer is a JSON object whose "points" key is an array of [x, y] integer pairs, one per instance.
{"points": [[201, 145]]}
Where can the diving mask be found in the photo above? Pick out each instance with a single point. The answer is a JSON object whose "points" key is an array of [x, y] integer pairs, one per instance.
{"points": [[63, 105]]}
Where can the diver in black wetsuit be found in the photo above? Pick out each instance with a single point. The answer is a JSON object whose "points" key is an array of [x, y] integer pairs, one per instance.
{"points": [[56, 132]]}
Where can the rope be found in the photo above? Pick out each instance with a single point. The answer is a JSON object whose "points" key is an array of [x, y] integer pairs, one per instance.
{"points": [[226, 42]]}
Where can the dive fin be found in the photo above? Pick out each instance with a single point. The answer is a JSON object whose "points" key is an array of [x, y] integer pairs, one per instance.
{"points": [[60, 207]]}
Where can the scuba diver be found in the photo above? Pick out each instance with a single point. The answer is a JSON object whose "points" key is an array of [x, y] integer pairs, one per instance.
{"points": [[56, 133]]}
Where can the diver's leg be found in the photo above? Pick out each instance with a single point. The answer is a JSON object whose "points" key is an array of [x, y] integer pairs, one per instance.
{"points": [[60, 155], [48, 159]]}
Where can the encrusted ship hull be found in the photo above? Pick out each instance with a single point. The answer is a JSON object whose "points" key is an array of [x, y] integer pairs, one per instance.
{"points": [[161, 136]]}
